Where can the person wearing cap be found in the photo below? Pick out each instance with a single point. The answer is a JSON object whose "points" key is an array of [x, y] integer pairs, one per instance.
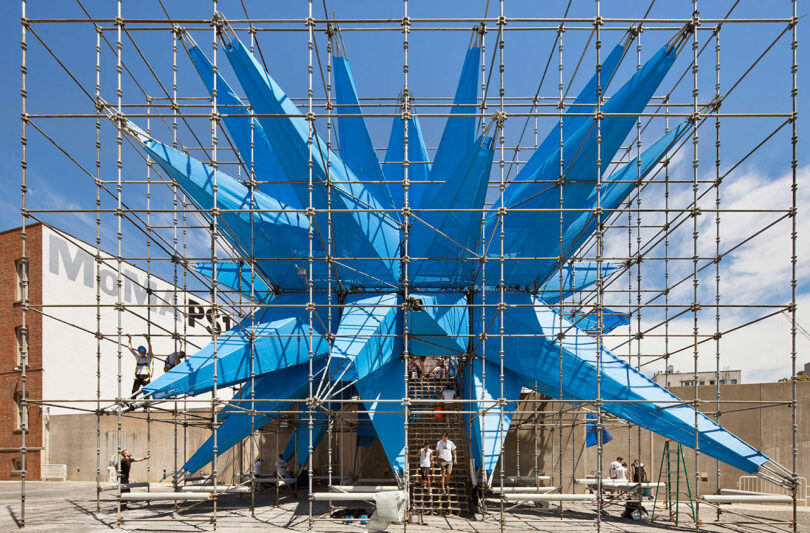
{"points": [[143, 365]]}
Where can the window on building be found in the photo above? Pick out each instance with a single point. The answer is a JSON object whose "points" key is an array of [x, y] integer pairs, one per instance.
{"points": [[16, 464], [722, 382], [21, 268], [21, 334], [733, 381], [702, 382], [711, 382], [21, 414]]}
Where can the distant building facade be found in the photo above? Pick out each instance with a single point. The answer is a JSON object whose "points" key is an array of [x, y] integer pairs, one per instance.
{"points": [[60, 341], [687, 379]]}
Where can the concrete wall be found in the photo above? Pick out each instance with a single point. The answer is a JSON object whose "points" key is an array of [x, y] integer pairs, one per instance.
{"points": [[73, 441], [767, 429]]}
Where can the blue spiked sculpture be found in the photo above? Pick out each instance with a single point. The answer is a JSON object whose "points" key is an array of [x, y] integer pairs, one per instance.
{"points": [[358, 252]]}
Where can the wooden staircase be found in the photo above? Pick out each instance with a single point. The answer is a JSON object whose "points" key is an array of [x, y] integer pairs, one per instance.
{"points": [[424, 393]]}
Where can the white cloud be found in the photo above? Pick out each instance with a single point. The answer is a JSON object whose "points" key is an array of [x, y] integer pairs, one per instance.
{"points": [[756, 273]]}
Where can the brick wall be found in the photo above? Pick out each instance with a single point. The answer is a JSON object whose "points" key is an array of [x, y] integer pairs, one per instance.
{"points": [[10, 382]]}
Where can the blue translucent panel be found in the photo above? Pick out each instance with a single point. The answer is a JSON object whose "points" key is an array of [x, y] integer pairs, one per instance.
{"points": [[491, 424], [242, 129], [367, 336], [540, 343], [287, 383], [459, 131], [418, 162], [356, 149], [237, 277], [387, 383], [360, 230], [449, 236], [282, 340], [535, 234]]}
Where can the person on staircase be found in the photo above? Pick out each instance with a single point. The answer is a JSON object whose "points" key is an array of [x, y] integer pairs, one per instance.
{"points": [[446, 452], [449, 393], [425, 464]]}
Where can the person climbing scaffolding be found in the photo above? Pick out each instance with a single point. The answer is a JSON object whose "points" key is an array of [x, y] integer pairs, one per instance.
{"points": [[143, 365]]}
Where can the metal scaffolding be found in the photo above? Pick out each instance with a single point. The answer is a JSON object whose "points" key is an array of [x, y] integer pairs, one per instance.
{"points": [[660, 237]]}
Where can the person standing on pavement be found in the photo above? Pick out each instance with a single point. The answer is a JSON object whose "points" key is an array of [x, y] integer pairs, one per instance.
{"points": [[126, 464]]}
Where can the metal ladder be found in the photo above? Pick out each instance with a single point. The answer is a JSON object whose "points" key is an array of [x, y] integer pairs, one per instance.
{"points": [[677, 479]]}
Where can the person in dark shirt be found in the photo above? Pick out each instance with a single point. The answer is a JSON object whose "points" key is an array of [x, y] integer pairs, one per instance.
{"points": [[173, 359], [126, 464]]}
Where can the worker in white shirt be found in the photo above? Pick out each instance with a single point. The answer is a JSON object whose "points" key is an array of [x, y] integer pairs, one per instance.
{"points": [[425, 463], [449, 393], [446, 452], [281, 467], [614, 469]]}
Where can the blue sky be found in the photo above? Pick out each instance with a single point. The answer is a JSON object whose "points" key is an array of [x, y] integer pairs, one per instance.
{"points": [[754, 273]]}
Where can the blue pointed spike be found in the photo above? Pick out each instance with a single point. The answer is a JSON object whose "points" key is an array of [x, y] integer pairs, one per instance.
{"points": [[361, 230], [618, 185], [242, 129], [488, 421], [290, 382], [298, 443], [442, 327], [320, 420], [387, 383], [464, 191], [525, 231], [366, 336], [459, 131], [236, 276], [356, 148], [418, 162], [615, 189], [282, 340], [279, 232], [538, 342], [584, 104], [577, 276], [587, 320]]}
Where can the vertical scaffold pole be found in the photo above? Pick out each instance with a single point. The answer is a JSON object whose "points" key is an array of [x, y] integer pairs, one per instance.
{"points": [[99, 338], [310, 23], [560, 405], [717, 180], [794, 139], [406, 221], [695, 268], [639, 305], [119, 238], [23, 281], [149, 291], [329, 333], [254, 441], [175, 259], [214, 236], [501, 251], [599, 255]]}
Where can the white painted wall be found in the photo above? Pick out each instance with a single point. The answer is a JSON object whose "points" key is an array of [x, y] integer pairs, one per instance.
{"points": [[69, 353]]}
